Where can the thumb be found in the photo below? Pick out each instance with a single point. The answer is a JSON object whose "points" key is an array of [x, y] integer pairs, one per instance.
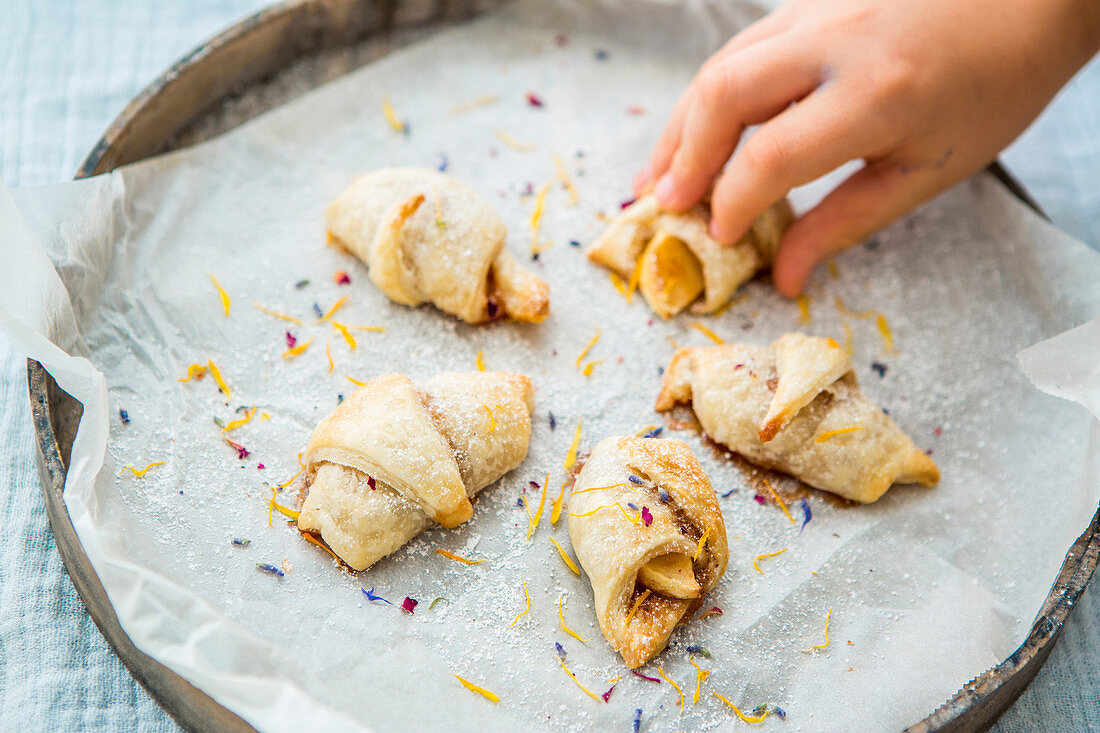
{"points": [[866, 202]]}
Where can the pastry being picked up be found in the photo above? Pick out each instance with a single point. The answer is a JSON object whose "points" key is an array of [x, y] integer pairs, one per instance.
{"points": [[646, 527], [395, 457], [672, 259], [427, 237], [796, 407]]}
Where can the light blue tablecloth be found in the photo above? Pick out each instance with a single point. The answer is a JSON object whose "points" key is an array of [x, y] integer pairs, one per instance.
{"points": [[66, 69]]}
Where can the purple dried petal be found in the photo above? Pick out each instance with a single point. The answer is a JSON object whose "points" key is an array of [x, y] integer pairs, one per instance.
{"points": [[269, 568], [607, 695], [637, 720], [560, 650], [372, 483], [372, 597], [124, 417], [636, 673], [291, 340], [647, 516], [807, 515], [636, 479], [760, 499], [408, 605]]}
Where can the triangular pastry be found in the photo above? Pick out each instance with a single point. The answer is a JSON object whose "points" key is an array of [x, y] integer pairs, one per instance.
{"points": [[396, 456], [646, 527], [427, 237], [796, 407]]}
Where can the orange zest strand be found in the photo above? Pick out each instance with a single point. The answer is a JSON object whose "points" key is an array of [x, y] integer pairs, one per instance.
{"points": [[391, 117], [514, 144], [555, 512], [344, 332], [565, 180], [276, 314], [887, 334], [778, 500], [703, 674], [492, 420], [636, 606], [534, 522], [313, 540], [597, 488], [826, 644], [372, 329], [588, 347], [746, 718], [803, 309], [226, 303], [526, 609], [702, 544], [766, 555], [566, 629], [571, 454], [195, 371], [479, 362], [845, 311], [708, 333], [328, 355], [574, 678], [668, 680], [482, 101], [234, 424], [839, 431], [293, 478], [587, 371], [217, 375], [453, 556], [565, 557], [356, 382], [479, 690], [296, 350], [536, 219], [138, 473]]}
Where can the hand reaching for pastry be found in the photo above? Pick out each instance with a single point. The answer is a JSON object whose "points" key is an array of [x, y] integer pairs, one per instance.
{"points": [[925, 92]]}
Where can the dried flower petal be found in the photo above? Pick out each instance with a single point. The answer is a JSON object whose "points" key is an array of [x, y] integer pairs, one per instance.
{"points": [[408, 605], [269, 568], [647, 516], [372, 597]]}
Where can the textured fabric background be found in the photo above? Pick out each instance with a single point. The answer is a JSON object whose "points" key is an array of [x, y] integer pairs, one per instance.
{"points": [[66, 69]]}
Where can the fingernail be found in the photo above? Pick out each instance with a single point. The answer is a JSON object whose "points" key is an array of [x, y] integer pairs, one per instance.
{"points": [[642, 180], [716, 232], [665, 188]]}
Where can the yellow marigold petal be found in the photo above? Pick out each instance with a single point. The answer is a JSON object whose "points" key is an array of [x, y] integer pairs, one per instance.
{"points": [[566, 629], [587, 371], [217, 375], [391, 117], [194, 371], [746, 718], [534, 522], [778, 500], [482, 101], [453, 556], [536, 218], [296, 350], [588, 347], [839, 431], [765, 556], [826, 644], [138, 473], [526, 609], [565, 557], [701, 545], [637, 605], [276, 314], [226, 303], [565, 180], [555, 513], [344, 332], [475, 688], [708, 333], [514, 144], [571, 454], [803, 309], [335, 307], [671, 682], [479, 362], [492, 420], [234, 424], [703, 674]]}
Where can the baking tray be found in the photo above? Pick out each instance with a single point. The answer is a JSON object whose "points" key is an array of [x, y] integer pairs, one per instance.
{"points": [[257, 64]]}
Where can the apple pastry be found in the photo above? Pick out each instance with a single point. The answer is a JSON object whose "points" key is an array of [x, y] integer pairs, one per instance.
{"points": [[796, 407], [427, 237], [675, 263], [394, 457], [646, 527]]}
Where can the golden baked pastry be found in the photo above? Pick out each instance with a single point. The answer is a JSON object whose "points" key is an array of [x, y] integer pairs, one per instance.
{"points": [[675, 262], [428, 237], [796, 406], [396, 456], [646, 527]]}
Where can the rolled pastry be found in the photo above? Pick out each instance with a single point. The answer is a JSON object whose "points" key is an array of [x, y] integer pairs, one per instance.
{"points": [[395, 456], [796, 406], [674, 260], [428, 237], [646, 579]]}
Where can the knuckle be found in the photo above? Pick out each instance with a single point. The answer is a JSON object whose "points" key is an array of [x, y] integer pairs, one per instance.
{"points": [[765, 154], [717, 85]]}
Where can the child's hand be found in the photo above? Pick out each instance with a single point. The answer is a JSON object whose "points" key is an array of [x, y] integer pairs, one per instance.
{"points": [[926, 92]]}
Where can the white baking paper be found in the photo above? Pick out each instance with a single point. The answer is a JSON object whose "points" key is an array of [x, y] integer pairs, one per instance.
{"points": [[927, 588]]}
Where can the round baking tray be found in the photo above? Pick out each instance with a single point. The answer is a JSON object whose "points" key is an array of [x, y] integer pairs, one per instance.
{"points": [[259, 63]]}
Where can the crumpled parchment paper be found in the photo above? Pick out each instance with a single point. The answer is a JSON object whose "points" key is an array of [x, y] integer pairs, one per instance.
{"points": [[927, 588]]}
